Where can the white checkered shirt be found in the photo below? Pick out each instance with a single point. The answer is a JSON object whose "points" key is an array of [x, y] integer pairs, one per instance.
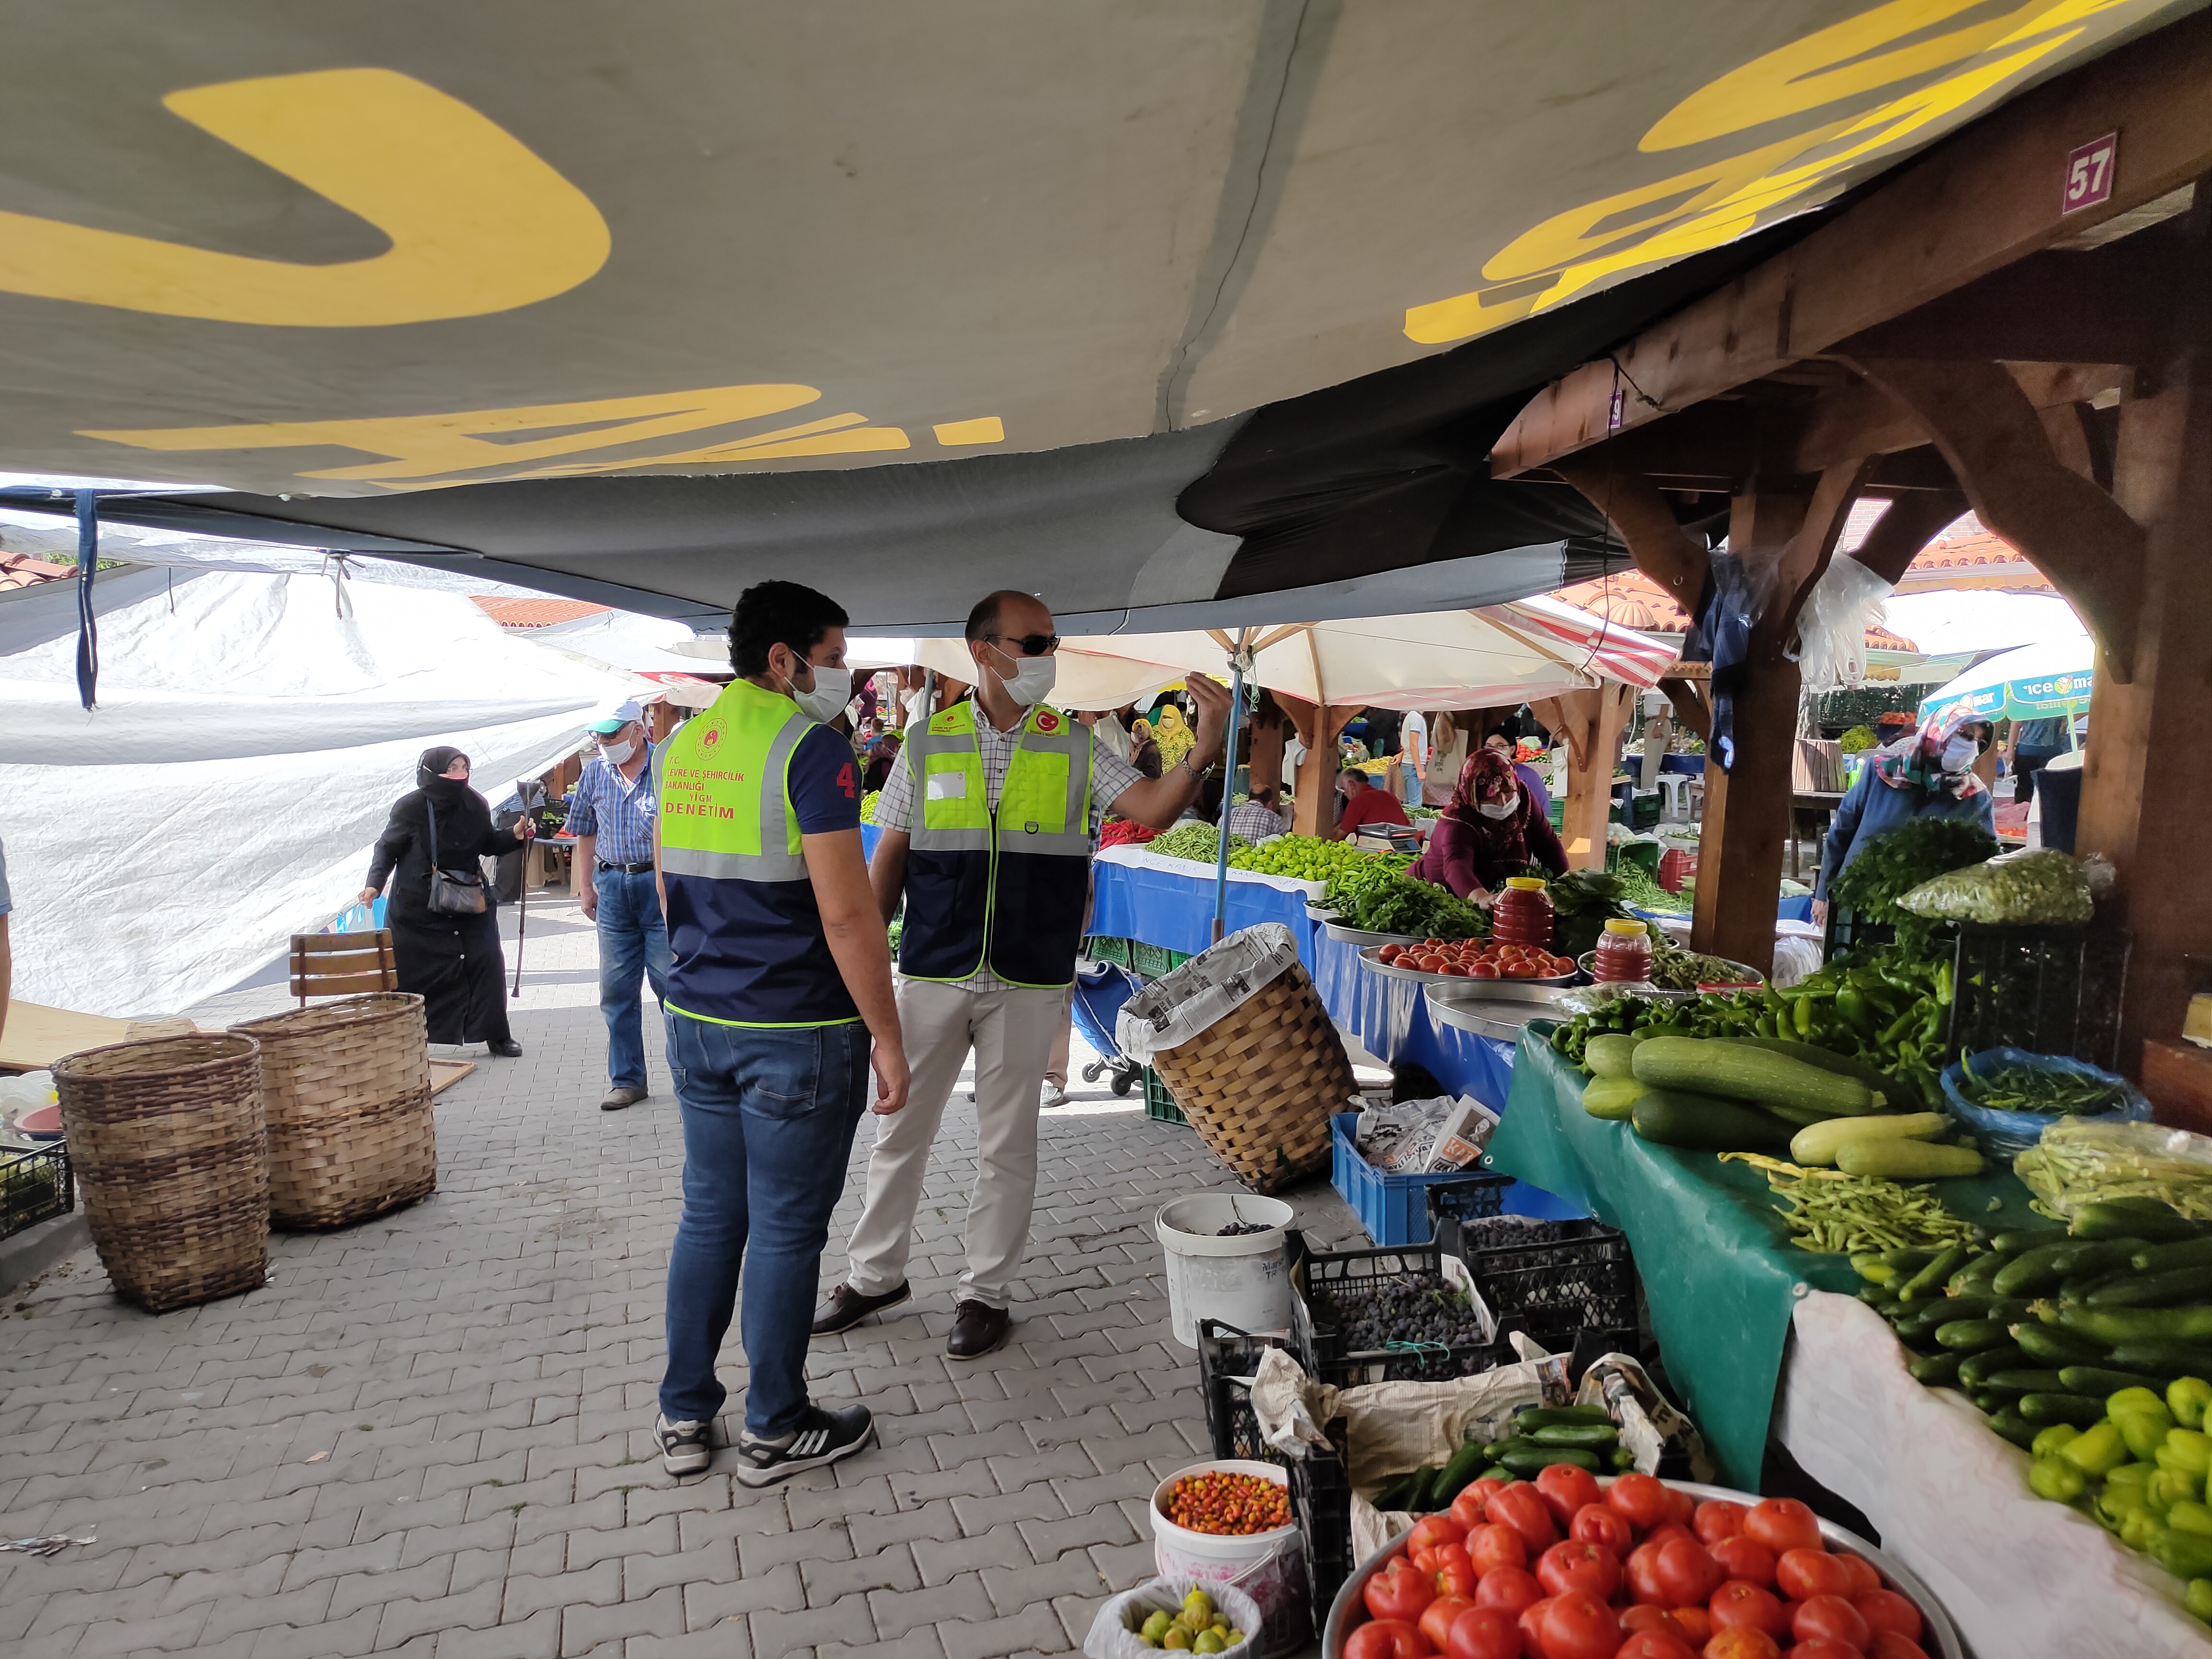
{"points": [[1109, 776]]}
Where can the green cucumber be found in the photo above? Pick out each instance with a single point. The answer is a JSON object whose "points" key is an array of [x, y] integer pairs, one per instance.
{"points": [[1975, 1369], [2014, 1427], [2165, 1289], [1543, 1417], [1590, 1437], [1928, 1281], [2032, 1271], [1396, 1490], [1612, 1098], [1971, 1336], [2150, 1219], [2028, 1382], [1753, 1074], [2017, 1241], [2103, 1382], [2054, 1347], [2078, 1409], [2164, 1258], [1705, 1123], [1530, 1464], [1938, 1370], [2162, 1358], [1465, 1463], [2117, 1326]]}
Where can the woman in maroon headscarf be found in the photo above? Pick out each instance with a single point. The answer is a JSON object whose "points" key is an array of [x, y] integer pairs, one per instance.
{"points": [[1491, 830]]}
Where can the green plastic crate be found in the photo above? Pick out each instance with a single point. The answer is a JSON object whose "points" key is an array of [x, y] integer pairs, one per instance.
{"points": [[1153, 960], [1105, 948], [1160, 1104]]}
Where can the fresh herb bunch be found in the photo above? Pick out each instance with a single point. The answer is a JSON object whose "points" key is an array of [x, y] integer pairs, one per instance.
{"points": [[1582, 902], [1892, 864], [1389, 902]]}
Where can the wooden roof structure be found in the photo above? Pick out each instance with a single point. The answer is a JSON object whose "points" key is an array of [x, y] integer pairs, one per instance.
{"points": [[2019, 323]]}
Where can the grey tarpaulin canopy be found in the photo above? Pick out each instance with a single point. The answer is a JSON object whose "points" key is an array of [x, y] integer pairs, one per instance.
{"points": [[946, 294]]}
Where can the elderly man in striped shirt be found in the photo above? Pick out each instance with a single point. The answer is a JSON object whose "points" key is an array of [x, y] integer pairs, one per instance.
{"points": [[612, 821]]}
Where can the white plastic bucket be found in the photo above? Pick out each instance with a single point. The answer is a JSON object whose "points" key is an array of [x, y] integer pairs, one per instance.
{"points": [[1244, 1280], [1267, 1566]]}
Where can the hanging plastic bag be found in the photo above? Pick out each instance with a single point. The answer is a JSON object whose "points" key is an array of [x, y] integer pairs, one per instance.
{"points": [[1831, 626], [2037, 886], [1114, 1632]]}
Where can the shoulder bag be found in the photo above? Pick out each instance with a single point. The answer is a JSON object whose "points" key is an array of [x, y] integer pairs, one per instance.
{"points": [[453, 892]]}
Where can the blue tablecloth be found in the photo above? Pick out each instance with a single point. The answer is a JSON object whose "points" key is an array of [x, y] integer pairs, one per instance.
{"points": [[1175, 911]]}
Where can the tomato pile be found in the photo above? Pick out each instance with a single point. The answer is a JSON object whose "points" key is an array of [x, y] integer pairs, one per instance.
{"points": [[1231, 1505], [1476, 959], [1557, 1568]]}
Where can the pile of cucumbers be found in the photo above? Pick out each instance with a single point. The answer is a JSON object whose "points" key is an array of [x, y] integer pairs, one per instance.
{"points": [[1541, 1436], [2044, 1325], [1754, 1094]]}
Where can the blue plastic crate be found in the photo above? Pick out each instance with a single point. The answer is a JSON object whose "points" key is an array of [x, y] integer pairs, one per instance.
{"points": [[1395, 1208]]}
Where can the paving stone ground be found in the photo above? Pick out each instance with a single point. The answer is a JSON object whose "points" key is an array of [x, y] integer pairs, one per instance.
{"points": [[429, 1433]]}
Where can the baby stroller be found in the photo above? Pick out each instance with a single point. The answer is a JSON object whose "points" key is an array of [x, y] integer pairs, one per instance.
{"points": [[1101, 988]]}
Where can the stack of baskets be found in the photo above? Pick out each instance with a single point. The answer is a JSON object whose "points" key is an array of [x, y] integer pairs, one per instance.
{"points": [[168, 1141], [346, 1087]]}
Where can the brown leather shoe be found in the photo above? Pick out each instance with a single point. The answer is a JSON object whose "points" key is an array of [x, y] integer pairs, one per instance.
{"points": [[847, 1307], [976, 1330]]}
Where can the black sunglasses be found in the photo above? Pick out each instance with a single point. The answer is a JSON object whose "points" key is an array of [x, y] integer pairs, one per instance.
{"points": [[1032, 645]]}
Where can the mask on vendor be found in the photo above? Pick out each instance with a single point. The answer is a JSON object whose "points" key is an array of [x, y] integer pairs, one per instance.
{"points": [[1499, 809], [1959, 753]]}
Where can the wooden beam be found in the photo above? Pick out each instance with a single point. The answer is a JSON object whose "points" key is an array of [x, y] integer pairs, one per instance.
{"points": [[1858, 419], [1913, 521], [2070, 530], [1986, 196], [1690, 705], [1592, 722], [1663, 550], [2109, 306]]}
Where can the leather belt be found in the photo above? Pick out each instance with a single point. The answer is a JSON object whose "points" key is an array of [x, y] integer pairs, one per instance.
{"points": [[627, 869]]}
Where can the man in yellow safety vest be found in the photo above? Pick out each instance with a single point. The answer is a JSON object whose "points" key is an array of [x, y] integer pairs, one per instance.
{"points": [[986, 823], [779, 976]]}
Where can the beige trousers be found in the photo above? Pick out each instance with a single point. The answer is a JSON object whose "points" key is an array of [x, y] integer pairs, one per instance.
{"points": [[1010, 1032]]}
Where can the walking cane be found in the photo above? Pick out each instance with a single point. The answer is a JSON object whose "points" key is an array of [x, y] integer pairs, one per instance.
{"points": [[522, 901]]}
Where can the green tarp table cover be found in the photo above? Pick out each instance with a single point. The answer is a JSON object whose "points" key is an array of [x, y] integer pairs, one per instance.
{"points": [[1719, 1272]]}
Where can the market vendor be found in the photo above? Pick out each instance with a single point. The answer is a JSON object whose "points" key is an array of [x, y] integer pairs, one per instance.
{"points": [[1499, 742], [1931, 773], [1361, 801], [1490, 830], [993, 864]]}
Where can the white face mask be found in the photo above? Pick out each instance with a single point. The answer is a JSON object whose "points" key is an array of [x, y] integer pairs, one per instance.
{"points": [[617, 754], [1961, 753], [1032, 680], [833, 689], [1499, 809]]}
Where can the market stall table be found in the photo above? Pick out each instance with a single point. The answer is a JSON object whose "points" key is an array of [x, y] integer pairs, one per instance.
{"points": [[1169, 902]]}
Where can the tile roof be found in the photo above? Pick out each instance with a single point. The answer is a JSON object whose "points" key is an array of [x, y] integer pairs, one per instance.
{"points": [[21, 570], [534, 613]]}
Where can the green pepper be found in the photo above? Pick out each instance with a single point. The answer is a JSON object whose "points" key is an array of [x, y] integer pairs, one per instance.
{"points": [[2059, 1480], [2186, 1397], [2171, 1486], [2050, 1439], [2198, 1599], [2187, 1452], [2118, 1502], [2096, 1451], [2134, 1476], [2190, 1515], [2141, 1529], [2142, 1429], [2184, 1554]]}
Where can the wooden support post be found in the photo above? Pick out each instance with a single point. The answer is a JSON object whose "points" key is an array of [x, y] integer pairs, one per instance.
{"points": [[2144, 800], [1592, 722], [1263, 747], [1318, 728], [1691, 707]]}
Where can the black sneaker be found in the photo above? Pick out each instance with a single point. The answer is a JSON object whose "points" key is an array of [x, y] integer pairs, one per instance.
{"points": [[821, 1438], [685, 1448]]}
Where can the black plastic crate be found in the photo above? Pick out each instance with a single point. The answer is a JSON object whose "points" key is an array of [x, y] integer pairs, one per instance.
{"points": [[1320, 1493], [1570, 1285], [2049, 990], [1328, 1281], [34, 1185], [1847, 932]]}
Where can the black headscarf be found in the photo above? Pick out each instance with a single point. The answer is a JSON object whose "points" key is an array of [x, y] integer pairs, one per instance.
{"points": [[430, 776]]}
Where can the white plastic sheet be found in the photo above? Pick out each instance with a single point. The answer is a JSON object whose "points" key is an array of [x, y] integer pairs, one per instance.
{"points": [[2018, 1575], [247, 748]]}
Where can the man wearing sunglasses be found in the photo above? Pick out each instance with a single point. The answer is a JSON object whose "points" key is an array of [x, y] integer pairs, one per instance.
{"points": [[985, 823]]}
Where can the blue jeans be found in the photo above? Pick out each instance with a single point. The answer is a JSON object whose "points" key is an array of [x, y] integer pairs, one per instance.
{"points": [[633, 942], [768, 1117]]}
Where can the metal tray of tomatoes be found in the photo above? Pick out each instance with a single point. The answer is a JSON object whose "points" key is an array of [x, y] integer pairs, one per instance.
{"points": [[1337, 930], [1420, 976], [1349, 1611]]}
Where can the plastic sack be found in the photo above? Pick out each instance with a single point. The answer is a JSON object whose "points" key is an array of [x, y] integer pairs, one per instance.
{"points": [[1178, 1005], [358, 918], [2003, 1133], [1275, 1588], [1795, 959], [2040, 886], [2080, 1161], [1114, 1632], [1832, 627]]}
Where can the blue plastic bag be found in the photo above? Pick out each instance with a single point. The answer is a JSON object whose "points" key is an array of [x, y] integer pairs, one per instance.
{"points": [[358, 918], [2006, 1135]]}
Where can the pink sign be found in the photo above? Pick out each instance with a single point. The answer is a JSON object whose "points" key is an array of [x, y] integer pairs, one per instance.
{"points": [[2089, 174]]}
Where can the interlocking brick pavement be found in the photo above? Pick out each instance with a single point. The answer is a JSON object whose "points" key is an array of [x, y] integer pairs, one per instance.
{"points": [[429, 1434]]}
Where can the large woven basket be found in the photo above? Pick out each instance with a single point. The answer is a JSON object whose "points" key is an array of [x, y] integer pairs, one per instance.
{"points": [[1259, 1084], [346, 1087], [166, 1138]]}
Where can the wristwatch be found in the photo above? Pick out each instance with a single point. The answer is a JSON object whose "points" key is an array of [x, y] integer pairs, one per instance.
{"points": [[1197, 776]]}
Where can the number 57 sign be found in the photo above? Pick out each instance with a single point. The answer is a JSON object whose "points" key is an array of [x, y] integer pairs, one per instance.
{"points": [[2089, 174]]}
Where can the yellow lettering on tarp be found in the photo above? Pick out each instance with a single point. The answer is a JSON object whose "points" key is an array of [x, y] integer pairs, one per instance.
{"points": [[479, 222], [1709, 206]]}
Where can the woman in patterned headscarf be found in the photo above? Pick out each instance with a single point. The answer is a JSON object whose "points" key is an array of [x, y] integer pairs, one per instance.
{"points": [[1491, 830], [1929, 773]]}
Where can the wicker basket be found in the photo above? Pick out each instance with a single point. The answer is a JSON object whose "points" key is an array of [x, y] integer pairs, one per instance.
{"points": [[346, 1086], [168, 1141], [1260, 1083]]}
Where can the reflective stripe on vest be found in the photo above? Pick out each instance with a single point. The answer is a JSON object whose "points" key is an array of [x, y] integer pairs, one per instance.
{"points": [[963, 856], [698, 818]]}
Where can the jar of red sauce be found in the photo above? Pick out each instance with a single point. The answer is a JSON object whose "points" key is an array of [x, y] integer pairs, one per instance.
{"points": [[1522, 915], [1624, 953]]}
